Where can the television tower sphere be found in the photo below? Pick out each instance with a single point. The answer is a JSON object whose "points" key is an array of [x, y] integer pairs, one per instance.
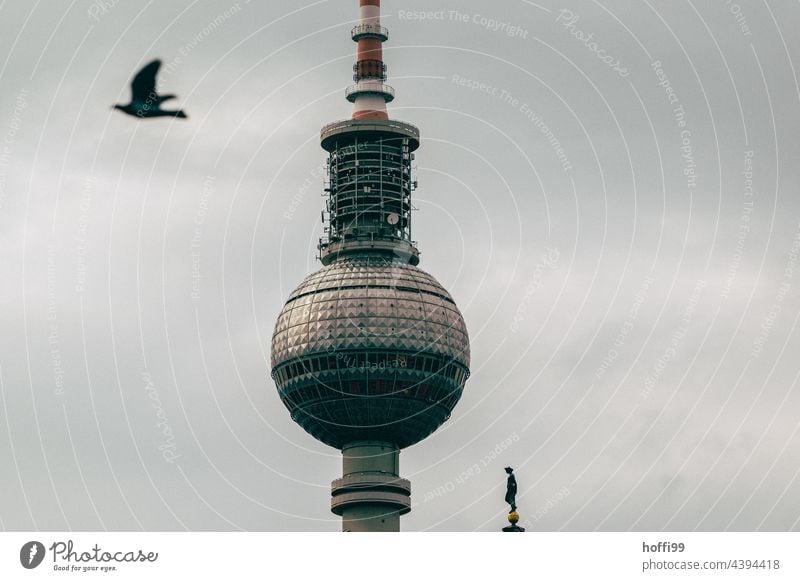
{"points": [[370, 354], [370, 348]]}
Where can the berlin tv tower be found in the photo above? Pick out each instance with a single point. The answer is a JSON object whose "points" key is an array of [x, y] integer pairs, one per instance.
{"points": [[370, 354]]}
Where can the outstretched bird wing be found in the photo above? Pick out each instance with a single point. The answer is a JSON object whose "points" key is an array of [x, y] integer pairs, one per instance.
{"points": [[144, 83]]}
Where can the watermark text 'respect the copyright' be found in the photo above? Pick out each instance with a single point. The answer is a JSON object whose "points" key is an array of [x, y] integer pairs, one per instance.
{"points": [[490, 24]]}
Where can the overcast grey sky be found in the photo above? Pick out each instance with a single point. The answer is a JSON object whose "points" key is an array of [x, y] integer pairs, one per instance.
{"points": [[609, 190]]}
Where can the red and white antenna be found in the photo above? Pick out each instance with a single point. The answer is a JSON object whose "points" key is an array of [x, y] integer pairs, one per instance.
{"points": [[370, 94]]}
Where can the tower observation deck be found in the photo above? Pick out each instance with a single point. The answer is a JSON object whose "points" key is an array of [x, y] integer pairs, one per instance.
{"points": [[370, 354]]}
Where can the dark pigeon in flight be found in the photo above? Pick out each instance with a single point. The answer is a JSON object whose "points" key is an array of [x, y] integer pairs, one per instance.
{"points": [[145, 101]]}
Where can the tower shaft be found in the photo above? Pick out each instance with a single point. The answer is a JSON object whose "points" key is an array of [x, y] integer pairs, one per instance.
{"points": [[370, 496]]}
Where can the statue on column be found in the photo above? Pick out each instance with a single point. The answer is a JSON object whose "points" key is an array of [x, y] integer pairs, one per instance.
{"points": [[511, 499], [511, 489]]}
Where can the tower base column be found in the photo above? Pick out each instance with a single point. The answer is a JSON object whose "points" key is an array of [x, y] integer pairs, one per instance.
{"points": [[370, 496]]}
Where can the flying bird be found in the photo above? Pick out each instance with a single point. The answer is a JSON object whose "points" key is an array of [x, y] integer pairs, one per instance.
{"points": [[145, 101]]}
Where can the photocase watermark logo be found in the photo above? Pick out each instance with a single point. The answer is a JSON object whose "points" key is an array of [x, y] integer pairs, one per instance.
{"points": [[548, 260], [568, 20], [67, 557], [31, 554]]}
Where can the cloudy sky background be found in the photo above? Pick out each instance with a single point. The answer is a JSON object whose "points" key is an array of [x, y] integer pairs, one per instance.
{"points": [[633, 328]]}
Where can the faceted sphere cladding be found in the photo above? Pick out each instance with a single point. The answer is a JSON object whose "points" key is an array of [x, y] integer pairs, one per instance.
{"points": [[370, 348]]}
